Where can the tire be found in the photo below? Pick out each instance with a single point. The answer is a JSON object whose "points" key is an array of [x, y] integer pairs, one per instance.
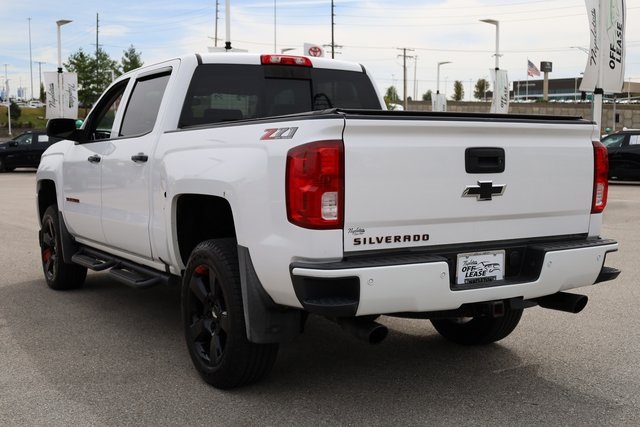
{"points": [[58, 274], [479, 330], [2, 164], [213, 318]]}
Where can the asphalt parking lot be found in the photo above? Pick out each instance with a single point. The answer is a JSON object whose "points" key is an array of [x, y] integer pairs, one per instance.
{"points": [[111, 355]]}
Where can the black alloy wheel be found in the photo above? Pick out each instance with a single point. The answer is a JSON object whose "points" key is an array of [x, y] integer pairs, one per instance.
{"points": [[57, 273], [210, 326], [213, 318]]}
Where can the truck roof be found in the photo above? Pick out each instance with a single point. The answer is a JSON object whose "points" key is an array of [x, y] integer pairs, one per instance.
{"points": [[255, 59]]}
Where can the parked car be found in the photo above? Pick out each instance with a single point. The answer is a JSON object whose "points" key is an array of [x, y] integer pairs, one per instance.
{"points": [[24, 151], [35, 104], [624, 154]]}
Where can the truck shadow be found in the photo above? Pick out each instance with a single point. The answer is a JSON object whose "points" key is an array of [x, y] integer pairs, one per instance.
{"points": [[112, 347]]}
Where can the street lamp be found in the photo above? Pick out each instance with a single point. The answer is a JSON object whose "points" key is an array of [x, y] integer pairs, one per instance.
{"points": [[30, 60], [583, 49], [497, 24], [438, 75], [438, 102], [7, 97], [60, 23]]}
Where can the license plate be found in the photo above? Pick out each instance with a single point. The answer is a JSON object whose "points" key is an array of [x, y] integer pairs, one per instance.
{"points": [[480, 267]]}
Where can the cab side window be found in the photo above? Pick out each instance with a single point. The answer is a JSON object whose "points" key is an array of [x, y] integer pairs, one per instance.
{"points": [[100, 124], [144, 104]]}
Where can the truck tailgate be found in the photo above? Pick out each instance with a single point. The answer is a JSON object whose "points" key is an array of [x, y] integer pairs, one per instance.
{"points": [[413, 182]]}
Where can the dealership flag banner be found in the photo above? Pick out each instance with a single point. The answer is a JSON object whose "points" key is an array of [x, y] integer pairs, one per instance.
{"points": [[500, 102], [605, 64], [438, 102], [62, 95]]}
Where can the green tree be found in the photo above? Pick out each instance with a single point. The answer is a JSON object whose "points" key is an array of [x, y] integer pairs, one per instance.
{"points": [[131, 59], [43, 94], [391, 97], [427, 96], [481, 88], [106, 70], [94, 73], [458, 91], [82, 64], [16, 111]]}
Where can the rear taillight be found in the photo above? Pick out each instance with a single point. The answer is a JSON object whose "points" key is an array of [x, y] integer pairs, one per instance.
{"points": [[600, 177], [300, 61], [315, 185]]}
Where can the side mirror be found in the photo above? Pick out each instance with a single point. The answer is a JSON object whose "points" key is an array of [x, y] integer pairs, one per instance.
{"points": [[13, 144], [65, 129], [61, 128]]}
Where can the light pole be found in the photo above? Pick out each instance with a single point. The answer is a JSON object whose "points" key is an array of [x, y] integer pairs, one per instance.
{"points": [[30, 59], [415, 78], [6, 79], [60, 23], [438, 75], [439, 102], [497, 24], [583, 49], [6, 88], [40, 77]]}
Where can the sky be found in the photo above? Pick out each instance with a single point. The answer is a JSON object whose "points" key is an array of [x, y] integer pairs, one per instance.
{"points": [[371, 32]]}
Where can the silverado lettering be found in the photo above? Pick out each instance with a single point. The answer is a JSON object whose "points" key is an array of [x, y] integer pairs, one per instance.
{"points": [[357, 241]]}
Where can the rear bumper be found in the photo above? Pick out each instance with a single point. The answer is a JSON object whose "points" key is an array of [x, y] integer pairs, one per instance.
{"points": [[418, 282]]}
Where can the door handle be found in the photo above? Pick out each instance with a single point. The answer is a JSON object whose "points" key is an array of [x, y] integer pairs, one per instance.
{"points": [[94, 159], [140, 158]]}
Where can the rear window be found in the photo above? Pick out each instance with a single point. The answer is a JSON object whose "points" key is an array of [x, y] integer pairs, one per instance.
{"points": [[223, 92]]}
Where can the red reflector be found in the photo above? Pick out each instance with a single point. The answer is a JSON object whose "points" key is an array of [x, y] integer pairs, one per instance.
{"points": [[300, 61], [600, 177], [315, 185]]}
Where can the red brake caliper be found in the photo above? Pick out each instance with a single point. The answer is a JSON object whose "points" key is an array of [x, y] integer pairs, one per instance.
{"points": [[46, 254], [201, 270]]}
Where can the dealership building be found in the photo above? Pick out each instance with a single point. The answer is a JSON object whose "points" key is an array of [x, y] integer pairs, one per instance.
{"points": [[567, 89]]}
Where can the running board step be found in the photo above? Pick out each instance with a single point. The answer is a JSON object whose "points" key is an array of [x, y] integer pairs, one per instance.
{"points": [[131, 274], [91, 262], [135, 279]]}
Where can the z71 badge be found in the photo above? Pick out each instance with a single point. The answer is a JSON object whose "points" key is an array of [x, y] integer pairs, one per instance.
{"points": [[279, 133]]}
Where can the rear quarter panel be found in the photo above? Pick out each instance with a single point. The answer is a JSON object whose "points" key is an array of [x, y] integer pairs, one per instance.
{"points": [[232, 162]]}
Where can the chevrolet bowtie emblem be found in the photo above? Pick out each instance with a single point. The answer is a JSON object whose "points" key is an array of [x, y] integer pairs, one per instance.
{"points": [[485, 190]]}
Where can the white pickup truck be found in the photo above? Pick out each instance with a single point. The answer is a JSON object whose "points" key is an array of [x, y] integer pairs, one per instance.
{"points": [[272, 187]]}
